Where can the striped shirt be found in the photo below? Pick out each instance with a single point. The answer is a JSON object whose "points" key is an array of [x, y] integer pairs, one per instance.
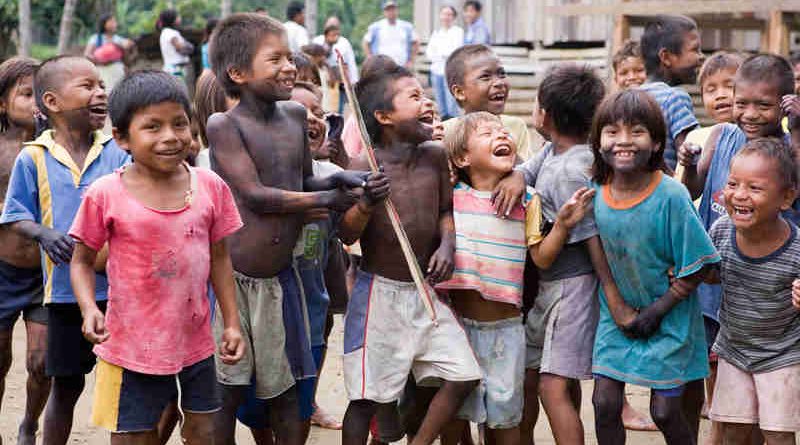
{"points": [[759, 327], [490, 251], [676, 104]]}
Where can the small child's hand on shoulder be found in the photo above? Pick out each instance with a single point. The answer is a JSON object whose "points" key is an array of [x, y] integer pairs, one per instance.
{"points": [[94, 327], [573, 211], [796, 294], [231, 346], [509, 192]]}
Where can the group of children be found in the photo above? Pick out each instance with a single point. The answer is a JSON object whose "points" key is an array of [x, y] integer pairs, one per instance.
{"points": [[207, 291]]}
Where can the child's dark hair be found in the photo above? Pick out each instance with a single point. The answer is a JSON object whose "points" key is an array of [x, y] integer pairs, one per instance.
{"points": [[774, 149], [293, 9], [474, 3], [455, 67], [719, 61], [629, 48], [631, 107], [234, 43], [310, 87], [167, 19], [314, 49], [50, 75], [209, 29], [140, 90], [770, 68], [306, 71], [570, 94], [376, 64], [664, 32], [209, 98], [375, 93], [12, 71], [101, 23]]}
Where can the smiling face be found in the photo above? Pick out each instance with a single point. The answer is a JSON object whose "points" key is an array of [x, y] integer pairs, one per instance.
{"points": [[316, 126], [754, 194], [717, 92], [626, 148], [272, 73], [630, 73], [485, 86], [159, 137], [81, 97], [757, 108], [491, 151], [471, 14], [683, 67], [412, 115], [18, 104]]}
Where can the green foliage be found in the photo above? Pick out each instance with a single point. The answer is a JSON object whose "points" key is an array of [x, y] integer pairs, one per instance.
{"points": [[42, 52], [8, 24]]}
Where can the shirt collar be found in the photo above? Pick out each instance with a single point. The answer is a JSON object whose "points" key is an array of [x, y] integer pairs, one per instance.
{"points": [[60, 154]]}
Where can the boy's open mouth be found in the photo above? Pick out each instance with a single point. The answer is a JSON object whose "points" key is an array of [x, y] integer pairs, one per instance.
{"points": [[426, 118], [99, 109], [750, 128], [502, 150], [722, 106], [497, 97]]}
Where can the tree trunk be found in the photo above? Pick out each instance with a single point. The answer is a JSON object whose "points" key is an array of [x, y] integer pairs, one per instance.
{"points": [[226, 8], [24, 28], [312, 9], [65, 30]]}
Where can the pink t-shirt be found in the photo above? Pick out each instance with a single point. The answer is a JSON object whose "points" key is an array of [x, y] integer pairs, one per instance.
{"points": [[158, 314], [351, 138]]}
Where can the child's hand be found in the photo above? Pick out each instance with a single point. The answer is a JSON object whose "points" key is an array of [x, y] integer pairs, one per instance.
{"points": [[341, 199], [377, 188], [790, 104], [573, 211], [509, 192], [624, 317], [796, 294], [56, 245], [689, 154], [350, 179], [440, 266], [647, 322], [94, 327], [231, 347]]}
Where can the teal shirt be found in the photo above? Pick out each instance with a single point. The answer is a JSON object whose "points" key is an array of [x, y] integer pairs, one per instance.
{"points": [[644, 239]]}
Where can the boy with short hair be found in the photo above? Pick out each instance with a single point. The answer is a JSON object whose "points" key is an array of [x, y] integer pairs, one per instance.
{"points": [[671, 51], [477, 79], [47, 185], [388, 331], [166, 242], [259, 148], [628, 66]]}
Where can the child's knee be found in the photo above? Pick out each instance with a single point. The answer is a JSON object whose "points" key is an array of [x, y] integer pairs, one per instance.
{"points": [[34, 363], [665, 410], [779, 437], [607, 405]]}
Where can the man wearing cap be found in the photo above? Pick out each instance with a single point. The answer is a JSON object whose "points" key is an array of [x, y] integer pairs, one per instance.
{"points": [[392, 37]]}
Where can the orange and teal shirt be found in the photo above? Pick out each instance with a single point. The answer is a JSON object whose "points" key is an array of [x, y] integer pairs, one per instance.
{"points": [[47, 187]]}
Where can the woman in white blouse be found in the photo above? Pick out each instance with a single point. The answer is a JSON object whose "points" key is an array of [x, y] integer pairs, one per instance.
{"points": [[442, 43]]}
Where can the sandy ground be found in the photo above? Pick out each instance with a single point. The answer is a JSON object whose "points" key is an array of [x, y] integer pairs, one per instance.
{"points": [[331, 396]]}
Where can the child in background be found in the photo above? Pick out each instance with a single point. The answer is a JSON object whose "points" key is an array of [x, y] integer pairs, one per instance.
{"points": [[20, 263], [47, 185], [477, 79], [487, 294], [209, 98], [671, 50], [307, 71], [658, 252], [166, 242], [210, 25], [759, 338], [327, 75], [385, 302], [628, 66]]}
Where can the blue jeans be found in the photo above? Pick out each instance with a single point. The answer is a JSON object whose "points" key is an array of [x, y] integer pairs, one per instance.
{"points": [[448, 107]]}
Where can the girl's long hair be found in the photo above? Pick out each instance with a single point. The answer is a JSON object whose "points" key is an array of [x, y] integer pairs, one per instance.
{"points": [[631, 107], [11, 72]]}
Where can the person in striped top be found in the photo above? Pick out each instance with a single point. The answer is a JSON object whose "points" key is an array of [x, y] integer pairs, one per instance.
{"points": [[486, 287], [758, 379]]}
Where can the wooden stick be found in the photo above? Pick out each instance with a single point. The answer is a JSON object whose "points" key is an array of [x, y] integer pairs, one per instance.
{"points": [[394, 217]]}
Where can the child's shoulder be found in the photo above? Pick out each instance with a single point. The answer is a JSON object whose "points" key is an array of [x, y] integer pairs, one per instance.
{"points": [[292, 108], [433, 151], [672, 187]]}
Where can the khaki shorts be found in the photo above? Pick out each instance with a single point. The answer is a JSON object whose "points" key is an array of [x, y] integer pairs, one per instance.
{"points": [[388, 333], [770, 399], [260, 304]]}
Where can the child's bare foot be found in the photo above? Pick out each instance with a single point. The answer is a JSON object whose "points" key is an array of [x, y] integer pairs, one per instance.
{"points": [[634, 420], [323, 419]]}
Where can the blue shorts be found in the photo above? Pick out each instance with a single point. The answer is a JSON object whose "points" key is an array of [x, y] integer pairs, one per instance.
{"points": [[21, 292], [127, 401], [254, 412]]}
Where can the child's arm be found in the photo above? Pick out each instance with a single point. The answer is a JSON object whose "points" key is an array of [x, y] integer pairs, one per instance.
{"points": [[620, 311], [232, 161], [791, 108], [82, 276], [441, 263], [510, 191], [796, 294], [571, 213], [356, 218], [694, 175], [58, 246], [712, 277], [231, 347], [649, 318]]}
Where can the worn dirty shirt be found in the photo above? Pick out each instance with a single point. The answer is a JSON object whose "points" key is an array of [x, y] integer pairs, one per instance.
{"points": [[159, 263]]}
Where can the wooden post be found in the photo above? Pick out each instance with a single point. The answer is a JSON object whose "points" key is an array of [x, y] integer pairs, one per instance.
{"points": [[622, 31], [777, 33]]}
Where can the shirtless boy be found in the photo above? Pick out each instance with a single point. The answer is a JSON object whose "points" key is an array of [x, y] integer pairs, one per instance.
{"points": [[259, 148], [384, 301]]}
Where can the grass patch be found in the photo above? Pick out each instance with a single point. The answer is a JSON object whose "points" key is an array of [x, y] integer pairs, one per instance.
{"points": [[42, 52]]}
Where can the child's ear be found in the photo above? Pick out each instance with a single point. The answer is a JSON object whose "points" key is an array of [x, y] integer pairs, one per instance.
{"points": [[122, 141], [665, 57], [383, 117], [50, 101], [462, 161], [236, 75], [458, 93]]}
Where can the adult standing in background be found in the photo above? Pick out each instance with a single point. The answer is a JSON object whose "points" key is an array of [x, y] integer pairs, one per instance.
{"points": [[444, 41], [476, 29], [107, 50], [333, 40], [296, 26], [175, 50], [392, 37]]}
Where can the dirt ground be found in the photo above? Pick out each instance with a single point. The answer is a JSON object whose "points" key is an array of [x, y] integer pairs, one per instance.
{"points": [[331, 396]]}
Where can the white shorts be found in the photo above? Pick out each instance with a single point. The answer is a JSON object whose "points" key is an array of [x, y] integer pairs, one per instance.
{"points": [[388, 333]]}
